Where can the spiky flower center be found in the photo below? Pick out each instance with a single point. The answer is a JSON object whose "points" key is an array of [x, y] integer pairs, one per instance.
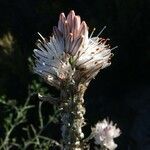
{"points": [[70, 52]]}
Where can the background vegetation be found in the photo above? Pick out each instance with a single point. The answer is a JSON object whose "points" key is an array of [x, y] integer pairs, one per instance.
{"points": [[120, 92]]}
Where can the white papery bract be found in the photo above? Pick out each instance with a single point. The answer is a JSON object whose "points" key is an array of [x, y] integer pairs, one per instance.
{"points": [[104, 133], [71, 53]]}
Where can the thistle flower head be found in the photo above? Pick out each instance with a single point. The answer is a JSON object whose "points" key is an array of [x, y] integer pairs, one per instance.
{"points": [[71, 52], [104, 134]]}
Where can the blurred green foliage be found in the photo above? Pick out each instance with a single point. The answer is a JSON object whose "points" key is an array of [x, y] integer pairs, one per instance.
{"points": [[18, 132]]}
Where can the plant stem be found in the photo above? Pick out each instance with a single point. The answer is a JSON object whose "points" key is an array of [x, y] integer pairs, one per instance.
{"points": [[72, 116], [103, 148], [40, 115]]}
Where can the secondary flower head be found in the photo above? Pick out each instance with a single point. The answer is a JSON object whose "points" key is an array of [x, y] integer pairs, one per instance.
{"points": [[104, 134], [71, 53]]}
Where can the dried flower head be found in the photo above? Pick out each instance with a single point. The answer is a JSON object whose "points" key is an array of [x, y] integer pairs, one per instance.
{"points": [[71, 53], [104, 134]]}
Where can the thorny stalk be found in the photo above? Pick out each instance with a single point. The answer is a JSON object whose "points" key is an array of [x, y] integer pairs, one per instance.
{"points": [[72, 116]]}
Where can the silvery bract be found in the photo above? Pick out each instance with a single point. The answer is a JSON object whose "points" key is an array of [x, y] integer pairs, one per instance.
{"points": [[104, 134], [71, 53]]}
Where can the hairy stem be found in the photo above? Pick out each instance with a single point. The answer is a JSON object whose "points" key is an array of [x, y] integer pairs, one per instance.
{"points": [[72, 116]]}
